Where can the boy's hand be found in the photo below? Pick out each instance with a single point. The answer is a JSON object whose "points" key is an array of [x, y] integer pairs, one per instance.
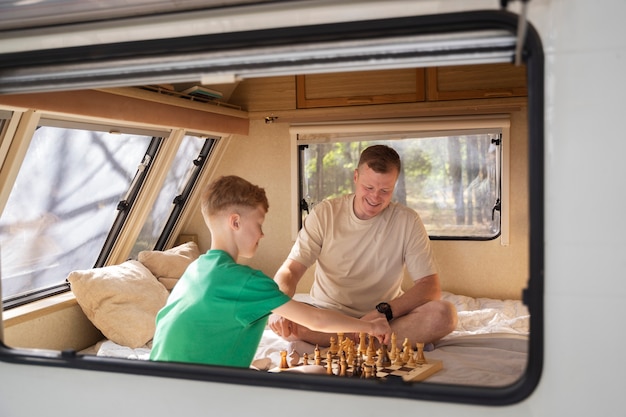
{"points": [[380, 329], [281, 326]]}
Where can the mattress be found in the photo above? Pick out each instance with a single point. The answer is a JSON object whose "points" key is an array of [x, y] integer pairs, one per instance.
{"points": [[489, 346]]}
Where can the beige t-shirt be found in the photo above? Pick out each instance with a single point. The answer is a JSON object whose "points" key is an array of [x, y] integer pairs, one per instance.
{"points": [[360, 262]]}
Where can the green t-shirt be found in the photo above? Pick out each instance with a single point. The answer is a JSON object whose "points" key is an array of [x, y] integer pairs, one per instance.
{"points": [[216, 313]]}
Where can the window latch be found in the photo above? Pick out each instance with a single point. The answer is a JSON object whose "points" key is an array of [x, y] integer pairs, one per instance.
{"points": [[304, 206], [496, 206]]}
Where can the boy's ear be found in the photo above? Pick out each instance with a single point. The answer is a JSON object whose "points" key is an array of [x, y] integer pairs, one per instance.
{"points": [[233, 221]]}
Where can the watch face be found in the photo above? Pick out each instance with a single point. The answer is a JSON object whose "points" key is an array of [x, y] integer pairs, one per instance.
{"points": [[385, 309]]}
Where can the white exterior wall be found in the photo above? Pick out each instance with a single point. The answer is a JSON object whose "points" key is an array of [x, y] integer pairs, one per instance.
{"points": [[585, 52]]}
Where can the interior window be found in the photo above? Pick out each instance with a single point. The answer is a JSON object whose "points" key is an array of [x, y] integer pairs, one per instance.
{"points": [[72, 178], [176, 180], [451, 181]]}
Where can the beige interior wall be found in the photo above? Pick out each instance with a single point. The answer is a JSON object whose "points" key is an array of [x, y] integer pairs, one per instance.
{"points": [[474, 268], [486, 268], [56, 323], [262, 158]]}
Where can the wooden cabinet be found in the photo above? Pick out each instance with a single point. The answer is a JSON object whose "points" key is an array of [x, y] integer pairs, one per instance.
{"points": [[475, 81], [360, 88]]}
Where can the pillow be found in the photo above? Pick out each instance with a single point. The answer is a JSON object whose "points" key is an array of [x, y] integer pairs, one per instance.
{"points": [[120, 300], [169, 265]]}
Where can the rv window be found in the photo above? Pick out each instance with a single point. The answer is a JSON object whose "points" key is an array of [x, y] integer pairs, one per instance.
{"points": [[451, 181], [77, 180], [175, 182], [71, 179]]}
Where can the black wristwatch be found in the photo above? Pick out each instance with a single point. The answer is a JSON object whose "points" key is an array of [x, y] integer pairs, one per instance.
{"points": [[385, 309]]}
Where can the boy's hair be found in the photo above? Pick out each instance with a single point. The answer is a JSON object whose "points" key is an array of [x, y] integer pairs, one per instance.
{"points": [[380, 158], [229, 191]]}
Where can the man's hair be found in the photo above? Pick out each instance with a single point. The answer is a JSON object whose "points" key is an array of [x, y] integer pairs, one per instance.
{"points": [[380, 158], [231, 191]]}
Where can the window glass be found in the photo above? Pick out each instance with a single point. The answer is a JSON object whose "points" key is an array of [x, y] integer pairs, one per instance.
{"points": [[175, 181], [63, 203], [451, 181]]}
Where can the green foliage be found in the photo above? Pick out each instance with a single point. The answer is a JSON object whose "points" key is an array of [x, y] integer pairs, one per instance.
{"points": [[443, 178]]}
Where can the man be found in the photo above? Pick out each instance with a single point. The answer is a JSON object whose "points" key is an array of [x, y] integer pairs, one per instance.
{"points": [[361, 244]]}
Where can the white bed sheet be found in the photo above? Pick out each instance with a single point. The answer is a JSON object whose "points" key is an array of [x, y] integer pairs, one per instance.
{"points": [[488, 347]]}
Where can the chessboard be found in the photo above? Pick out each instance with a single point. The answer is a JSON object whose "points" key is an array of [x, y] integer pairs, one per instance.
{"points": [[345, 359]]}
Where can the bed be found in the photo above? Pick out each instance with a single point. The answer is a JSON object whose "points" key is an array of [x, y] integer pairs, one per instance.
{"points": [[488, 348]]}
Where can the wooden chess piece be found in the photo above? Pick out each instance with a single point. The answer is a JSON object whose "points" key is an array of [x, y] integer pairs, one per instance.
{"points": [[398, 361], [294, 358], [367, 370], [329, 363], [362, 346], [334, 348], [411, 361], [283, 360], [371, 352], [343, 364], [393, 351], [421, 359], [407, 350], [383, 357], [356, 367]]}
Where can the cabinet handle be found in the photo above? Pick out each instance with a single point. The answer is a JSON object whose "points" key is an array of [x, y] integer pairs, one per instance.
{"points": [[360, 100], [507, 93]]}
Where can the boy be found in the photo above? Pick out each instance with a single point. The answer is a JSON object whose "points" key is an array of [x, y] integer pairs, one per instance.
{"points": [[218, 310]]}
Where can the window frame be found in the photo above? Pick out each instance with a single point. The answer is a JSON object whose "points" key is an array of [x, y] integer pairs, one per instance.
{"points": [[533, 295], [420, 127], [131, 195]]}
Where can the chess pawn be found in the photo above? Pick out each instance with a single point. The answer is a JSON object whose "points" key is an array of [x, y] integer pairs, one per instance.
{"points": [[305, 359], [283, 360], [383, 357], [398, 360], [356, 367], [334, 348], [367, 370], [411, 361], [351, 353], [329, 363]]}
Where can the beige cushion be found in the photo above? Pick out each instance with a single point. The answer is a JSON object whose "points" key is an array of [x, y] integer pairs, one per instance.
{"points": [[120, 300], [169, 265]]}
